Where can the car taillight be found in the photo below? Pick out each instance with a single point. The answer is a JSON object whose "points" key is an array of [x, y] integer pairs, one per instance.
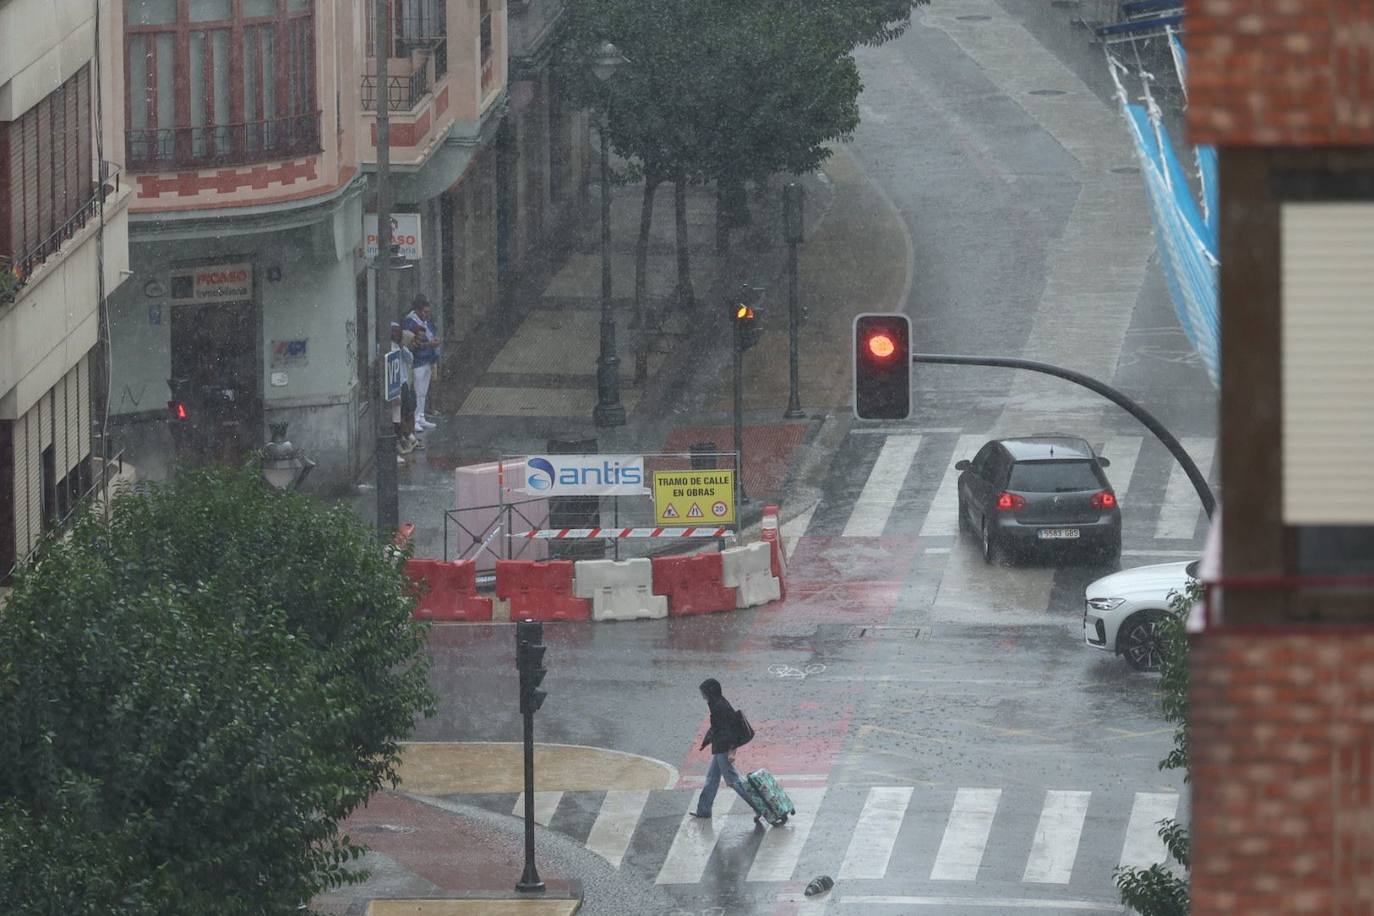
{"points": [[1104, 500], [178, 409], [1010, 502]]}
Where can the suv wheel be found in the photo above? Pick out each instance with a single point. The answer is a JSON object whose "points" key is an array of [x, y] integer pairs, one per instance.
{"points": [[1141, 641], [989, 546]]}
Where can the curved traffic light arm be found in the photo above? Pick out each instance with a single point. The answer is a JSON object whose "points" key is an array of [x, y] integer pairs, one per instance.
{"points": [[1204, 492]]}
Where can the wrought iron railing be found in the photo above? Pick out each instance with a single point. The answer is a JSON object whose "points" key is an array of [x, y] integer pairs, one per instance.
{"points": [[167, 148], [19, 268], [404, 90]]}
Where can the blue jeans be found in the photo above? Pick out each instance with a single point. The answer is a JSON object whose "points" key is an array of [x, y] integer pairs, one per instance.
{"points": [[720, 767]]}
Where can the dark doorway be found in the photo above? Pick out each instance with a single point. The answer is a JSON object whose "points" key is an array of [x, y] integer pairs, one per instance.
{"points": [[215, 347]]}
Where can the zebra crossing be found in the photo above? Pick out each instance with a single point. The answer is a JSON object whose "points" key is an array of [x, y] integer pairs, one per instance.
{"points": [[870, 833], [910, 486]]}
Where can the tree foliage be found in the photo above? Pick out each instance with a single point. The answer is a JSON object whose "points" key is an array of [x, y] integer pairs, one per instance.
{"points": [[193, 695], [1157, 890]]}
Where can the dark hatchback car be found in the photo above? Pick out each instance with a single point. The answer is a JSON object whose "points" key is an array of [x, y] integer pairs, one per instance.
{"points": [[1019, 495]]}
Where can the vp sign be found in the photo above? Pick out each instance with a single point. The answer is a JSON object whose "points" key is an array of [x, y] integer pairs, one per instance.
{"points": [[585, 475]]}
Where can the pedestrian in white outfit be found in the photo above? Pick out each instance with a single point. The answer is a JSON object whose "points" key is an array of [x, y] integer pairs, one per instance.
{"points": [[426, 350]]}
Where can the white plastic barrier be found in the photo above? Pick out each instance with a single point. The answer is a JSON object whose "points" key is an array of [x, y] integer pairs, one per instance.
{"points": [[619, 590], [749, 570]]}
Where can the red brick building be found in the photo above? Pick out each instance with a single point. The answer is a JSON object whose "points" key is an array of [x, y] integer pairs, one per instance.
{"points": [[1282, 706]]}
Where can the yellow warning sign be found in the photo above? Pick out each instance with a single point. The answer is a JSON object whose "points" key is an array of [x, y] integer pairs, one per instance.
{"points": [[694, 497]]}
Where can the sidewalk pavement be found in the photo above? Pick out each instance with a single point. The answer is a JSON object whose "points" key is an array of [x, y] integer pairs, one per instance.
{"points": [[503, 397], [432, 854]]}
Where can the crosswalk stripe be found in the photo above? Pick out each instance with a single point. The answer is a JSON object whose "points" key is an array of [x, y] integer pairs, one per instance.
{"points": [[615, 825], [545, 806], [943, 517], [871, 846], [776, 858], [1143, 847], [1122, 452], [1178, 515], [794, 530], [966, 835], [694, 840], [1056, 837], [868, 518]]}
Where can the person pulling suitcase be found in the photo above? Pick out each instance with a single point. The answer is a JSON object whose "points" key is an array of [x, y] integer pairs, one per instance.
{"points": [[723, 737], [730, 730]]}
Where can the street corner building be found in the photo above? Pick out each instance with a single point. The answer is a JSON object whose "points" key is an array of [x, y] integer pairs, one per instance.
{"points": [[248, 129], [64, 206], [1282, 695]]}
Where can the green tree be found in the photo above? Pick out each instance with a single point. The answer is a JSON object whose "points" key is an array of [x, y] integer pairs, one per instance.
{"points": [[193, 695], [723, 91], [1159, 891]]}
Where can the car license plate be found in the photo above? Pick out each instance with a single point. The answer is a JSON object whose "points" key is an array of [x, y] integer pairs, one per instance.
{"points": [[1057, 534]]}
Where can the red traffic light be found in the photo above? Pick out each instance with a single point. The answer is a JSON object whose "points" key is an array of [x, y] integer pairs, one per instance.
{"points": [[881, 345]]}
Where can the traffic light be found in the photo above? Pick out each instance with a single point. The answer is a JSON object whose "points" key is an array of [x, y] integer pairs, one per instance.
{"points": [[882, 367], [744, 314], [529, 661]]}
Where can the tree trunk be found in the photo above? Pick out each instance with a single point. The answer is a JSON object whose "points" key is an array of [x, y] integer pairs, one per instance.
{"points": [[686, 299], [644, 322], [722, 220], [646, 220]]}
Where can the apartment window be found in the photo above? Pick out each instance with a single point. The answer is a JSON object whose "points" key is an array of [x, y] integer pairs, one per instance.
{"points": [[213, 82], [1328, 384], [46, 174]]}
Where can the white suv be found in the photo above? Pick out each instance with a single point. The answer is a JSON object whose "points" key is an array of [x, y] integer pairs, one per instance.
{"points": [[1122, 611]]}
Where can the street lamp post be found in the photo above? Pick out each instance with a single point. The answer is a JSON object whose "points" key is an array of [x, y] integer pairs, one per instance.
{"points": [[609, 411]]}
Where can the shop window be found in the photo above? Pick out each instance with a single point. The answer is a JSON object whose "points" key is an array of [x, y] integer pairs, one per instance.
{"points": [[214, 82]]}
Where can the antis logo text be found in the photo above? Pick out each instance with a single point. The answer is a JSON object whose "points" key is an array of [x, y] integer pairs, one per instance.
{"points": [[543, 474]]}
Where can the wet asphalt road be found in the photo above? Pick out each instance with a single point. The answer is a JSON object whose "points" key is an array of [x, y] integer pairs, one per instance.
{"points": [[900, 666]]}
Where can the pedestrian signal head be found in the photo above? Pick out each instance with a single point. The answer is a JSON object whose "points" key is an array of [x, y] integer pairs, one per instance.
{"points": [[882, 367]]}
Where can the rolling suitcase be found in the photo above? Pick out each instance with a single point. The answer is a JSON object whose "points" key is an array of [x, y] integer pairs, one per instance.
{"points": [[773, 802]]}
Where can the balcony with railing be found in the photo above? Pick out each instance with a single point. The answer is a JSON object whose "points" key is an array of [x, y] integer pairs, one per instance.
{"points": [[208, 146], [409, 78], [17, 269]]}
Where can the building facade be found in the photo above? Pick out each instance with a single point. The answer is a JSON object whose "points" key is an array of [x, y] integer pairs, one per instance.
{"points": [[251, 146], [1282, 704], [63, 249]]}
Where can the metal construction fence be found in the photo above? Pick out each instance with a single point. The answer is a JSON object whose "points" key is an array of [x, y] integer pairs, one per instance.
{"points": [[522, 523]]}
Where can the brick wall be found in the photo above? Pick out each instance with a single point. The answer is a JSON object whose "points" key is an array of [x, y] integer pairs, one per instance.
{"points": [[1282, 753], [1281, 72]]}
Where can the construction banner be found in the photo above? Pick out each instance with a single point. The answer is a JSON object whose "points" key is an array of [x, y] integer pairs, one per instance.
{"points": [[694, 497]]}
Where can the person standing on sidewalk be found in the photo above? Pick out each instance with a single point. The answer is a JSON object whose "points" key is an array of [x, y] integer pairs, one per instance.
{"points": [[426, 351], [723, 737]]}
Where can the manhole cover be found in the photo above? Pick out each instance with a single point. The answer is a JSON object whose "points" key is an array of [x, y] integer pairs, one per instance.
{"points": [[1047, 92], [973, 18]]}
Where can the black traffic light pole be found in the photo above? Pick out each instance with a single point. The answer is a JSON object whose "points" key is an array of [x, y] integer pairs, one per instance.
{"points": [[529, 655], [740, 496], [1185, 461]]}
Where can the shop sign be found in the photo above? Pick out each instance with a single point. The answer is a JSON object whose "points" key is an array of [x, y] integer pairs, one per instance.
{"points": [[211, 283], [286, 353], [405, 232]]}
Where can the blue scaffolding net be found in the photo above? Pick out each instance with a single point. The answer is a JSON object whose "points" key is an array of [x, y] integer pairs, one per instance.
{"points": [[1184, 218]]}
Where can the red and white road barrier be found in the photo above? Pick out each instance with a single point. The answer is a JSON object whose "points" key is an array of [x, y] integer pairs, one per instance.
{"points": [[772, 536], [559, 534]]}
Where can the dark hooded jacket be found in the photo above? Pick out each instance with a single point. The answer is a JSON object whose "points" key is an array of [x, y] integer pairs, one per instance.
{"points": [[723, 735]]}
